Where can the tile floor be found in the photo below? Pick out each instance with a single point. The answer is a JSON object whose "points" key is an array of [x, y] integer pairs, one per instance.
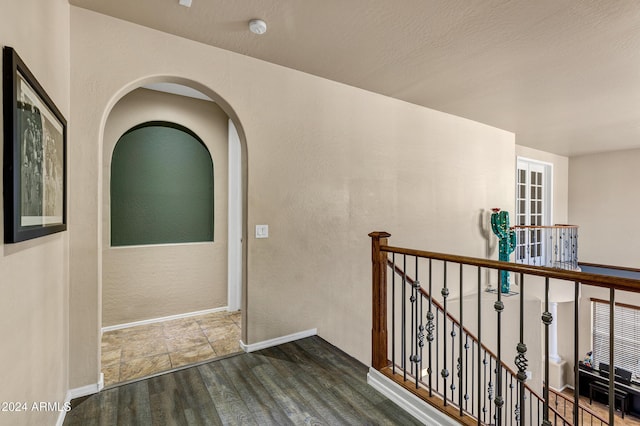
{"points": [[135, 352]]}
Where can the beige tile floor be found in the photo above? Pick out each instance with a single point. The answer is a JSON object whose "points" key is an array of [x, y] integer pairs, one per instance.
{"points": [[142, 351]]}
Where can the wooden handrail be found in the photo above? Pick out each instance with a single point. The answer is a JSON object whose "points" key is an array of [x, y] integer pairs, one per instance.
{"points": [[616, 268], [606, 281], [543, 226]]}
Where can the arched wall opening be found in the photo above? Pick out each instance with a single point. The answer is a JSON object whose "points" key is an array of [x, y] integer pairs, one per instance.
{"points": [[236, 229]]}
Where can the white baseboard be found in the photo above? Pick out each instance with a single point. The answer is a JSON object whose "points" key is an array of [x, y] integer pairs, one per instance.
{"points": [[161, 319], [61, 417], [80, 392], [410, 403], [566, 386], [86, 390], [278, 340]]}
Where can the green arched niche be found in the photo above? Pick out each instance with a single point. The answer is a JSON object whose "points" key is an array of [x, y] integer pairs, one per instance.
{"points": [[161, 187]]}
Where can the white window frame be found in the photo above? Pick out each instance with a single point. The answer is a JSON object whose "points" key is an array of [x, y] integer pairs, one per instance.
{"points": [[528, 239]]}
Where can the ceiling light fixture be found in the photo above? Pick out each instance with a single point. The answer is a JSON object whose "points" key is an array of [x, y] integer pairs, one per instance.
{"points": [[257, 26], [186, 3]]}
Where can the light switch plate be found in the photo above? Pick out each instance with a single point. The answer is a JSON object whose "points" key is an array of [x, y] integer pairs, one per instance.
{"points": [[262, 231]]}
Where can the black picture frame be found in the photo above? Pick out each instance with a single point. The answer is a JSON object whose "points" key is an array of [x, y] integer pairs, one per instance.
{"points": [[35, 155]]}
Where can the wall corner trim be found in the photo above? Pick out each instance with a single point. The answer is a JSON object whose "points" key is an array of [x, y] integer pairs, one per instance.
{"points": [[413, 405], [278, 340], [80, 392]]}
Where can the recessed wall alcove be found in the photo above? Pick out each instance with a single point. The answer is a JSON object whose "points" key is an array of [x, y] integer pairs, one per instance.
{"points": [[170, 202]]}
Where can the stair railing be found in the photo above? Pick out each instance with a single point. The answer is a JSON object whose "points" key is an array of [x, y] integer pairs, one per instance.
{"points": [[564, 406], [435, 358]]}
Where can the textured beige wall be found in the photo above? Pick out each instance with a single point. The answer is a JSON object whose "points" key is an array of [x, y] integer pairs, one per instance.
{"points": [[327, 164], [34, 274], [145, 282], [602, 200]]}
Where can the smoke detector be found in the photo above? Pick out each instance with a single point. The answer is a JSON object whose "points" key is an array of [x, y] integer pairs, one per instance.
{"points": [[257, 26]]}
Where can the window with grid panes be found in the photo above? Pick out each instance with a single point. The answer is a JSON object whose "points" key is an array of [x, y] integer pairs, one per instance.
{"points": [[626, 339], [532, 209]]}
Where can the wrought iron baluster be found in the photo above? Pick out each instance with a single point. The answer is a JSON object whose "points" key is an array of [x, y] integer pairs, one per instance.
{"points": [[430, 328], [518, 407], [437, 331], [460, 394], [421, 334], [452, 386], [612, 304], [499, 401], [393, 314], [576, 330], [418, 336], [547, 319], [404, 317], [484, 389], [521, 360], [480, 397], [511, 407], [444, 373], [466, 372], [490, 388], [412, 356]]}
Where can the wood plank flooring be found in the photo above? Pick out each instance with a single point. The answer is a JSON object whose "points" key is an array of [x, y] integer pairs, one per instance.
{"points": [[598, 407], [304, 382]]}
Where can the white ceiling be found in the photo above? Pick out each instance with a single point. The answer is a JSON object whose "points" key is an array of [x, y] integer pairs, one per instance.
{"points": [[564, 75]]}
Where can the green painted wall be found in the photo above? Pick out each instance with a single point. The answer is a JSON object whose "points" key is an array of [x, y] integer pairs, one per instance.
{"points": [[161, 187]]}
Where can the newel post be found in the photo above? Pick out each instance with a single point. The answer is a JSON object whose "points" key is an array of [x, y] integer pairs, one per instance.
{"points": [[379, 358]]}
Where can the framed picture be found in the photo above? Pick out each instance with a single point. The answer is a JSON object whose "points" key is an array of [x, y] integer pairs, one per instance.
{"points": [[35, 145]]}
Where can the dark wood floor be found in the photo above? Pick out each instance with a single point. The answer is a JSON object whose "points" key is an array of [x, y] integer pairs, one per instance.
{"points": [[305, 382]]}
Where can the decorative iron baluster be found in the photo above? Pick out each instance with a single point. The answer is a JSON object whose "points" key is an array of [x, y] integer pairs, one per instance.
{"points": [[484, 388], [413, 299], [466, 373], [480, 384], [393, 314], [444, 373], [547, 319], [404, 317], [574, 255], [612, 304], [415, 332], [419, 336], [490, 390], [460, 395], [521, 359], [452, 386], [576, 375], [430, 328], [499, 401], [511, 386], [437, 331], [421, 330], [516, 410]]}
